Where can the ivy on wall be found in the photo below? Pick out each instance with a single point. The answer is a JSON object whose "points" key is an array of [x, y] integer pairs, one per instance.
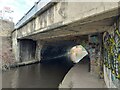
{"points": [[111, 42]]}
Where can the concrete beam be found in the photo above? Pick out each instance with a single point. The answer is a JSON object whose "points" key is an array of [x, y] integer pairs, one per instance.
{"points": [[86, 13], [39, 46]]}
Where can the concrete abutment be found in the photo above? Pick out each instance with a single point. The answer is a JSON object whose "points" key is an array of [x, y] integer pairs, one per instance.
{"points": [[39, 46], [27, 51]]}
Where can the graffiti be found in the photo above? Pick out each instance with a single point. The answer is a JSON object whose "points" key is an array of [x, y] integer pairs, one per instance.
{"points": [[112, 51], [95, 53]]}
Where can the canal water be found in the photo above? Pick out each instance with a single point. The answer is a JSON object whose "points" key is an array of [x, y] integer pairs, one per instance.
{"points": [[42, 75]]}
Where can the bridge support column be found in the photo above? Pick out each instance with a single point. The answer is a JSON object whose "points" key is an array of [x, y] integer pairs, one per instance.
{"points": [[23, 49], [39, 46], [95, 53], [15, 46]]}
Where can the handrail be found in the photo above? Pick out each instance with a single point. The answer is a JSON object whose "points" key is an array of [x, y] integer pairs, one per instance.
{"points": [[36, 8]]}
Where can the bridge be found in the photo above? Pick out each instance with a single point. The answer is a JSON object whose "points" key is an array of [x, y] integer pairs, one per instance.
{"points": [[65, 24]]}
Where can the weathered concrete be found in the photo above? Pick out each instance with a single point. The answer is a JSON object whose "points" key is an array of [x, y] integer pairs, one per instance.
{"points": [[95, 53], [58, 21], [27, 50], [15, 46], [39, 46], [61, 14]]}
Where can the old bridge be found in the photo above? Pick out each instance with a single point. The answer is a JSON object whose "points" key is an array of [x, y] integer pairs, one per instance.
{"points": [[60, 26]]}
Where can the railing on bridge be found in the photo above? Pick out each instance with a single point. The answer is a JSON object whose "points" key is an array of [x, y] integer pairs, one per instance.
{"points": [[37, 7]]}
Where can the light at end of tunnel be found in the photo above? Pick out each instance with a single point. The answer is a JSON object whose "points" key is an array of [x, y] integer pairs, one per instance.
{"points": [[76, 53]]}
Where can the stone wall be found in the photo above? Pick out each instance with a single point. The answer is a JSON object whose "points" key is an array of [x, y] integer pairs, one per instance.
{"points": [[7, 57], [6, 28]]}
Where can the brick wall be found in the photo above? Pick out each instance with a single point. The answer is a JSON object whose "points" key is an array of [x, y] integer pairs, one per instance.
{"points": [[6, 55], [6, 27]]}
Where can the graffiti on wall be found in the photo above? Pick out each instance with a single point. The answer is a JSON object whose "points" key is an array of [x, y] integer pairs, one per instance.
{"points": [[112, 50], [95, 54]]}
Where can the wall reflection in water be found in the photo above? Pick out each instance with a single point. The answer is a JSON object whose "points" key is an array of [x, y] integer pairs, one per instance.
{"points": [[45, 75]]}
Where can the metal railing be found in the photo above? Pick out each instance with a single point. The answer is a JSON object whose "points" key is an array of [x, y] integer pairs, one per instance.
{"points": [[37, 7]]}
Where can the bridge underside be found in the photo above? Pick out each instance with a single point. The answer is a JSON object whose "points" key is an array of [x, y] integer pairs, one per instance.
{"points": [[77, 28], [86, 31], [77, 32]]}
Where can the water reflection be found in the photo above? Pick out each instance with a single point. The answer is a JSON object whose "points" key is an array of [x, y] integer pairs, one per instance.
{"points": [[45, 75]]}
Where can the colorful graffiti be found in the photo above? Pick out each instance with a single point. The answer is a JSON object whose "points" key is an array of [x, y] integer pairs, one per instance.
{"points": [[112, 50], [95, 47]]}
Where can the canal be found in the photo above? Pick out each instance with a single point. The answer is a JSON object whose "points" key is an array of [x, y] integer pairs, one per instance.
{"points": [[42, 75]]}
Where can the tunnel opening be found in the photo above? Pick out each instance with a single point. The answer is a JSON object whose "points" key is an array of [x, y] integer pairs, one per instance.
{"points": [[79, 54], [27, 49], [63, 52], [55, 50], [56, 53]]}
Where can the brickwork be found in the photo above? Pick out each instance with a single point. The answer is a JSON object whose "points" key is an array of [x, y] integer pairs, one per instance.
{"points": [[7, 55], [6, 28], [6, 44]]}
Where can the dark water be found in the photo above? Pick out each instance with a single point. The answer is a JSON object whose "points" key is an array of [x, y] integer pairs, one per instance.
{"points": [[44, 75]]}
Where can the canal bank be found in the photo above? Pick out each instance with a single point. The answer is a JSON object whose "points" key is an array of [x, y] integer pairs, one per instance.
{"points": [[79, 76]]}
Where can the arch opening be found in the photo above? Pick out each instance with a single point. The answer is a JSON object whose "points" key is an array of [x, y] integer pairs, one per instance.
{"points": [[65, 52]]}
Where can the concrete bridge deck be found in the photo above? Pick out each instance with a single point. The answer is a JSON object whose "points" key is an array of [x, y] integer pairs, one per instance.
{"points": [[66, 18]]}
